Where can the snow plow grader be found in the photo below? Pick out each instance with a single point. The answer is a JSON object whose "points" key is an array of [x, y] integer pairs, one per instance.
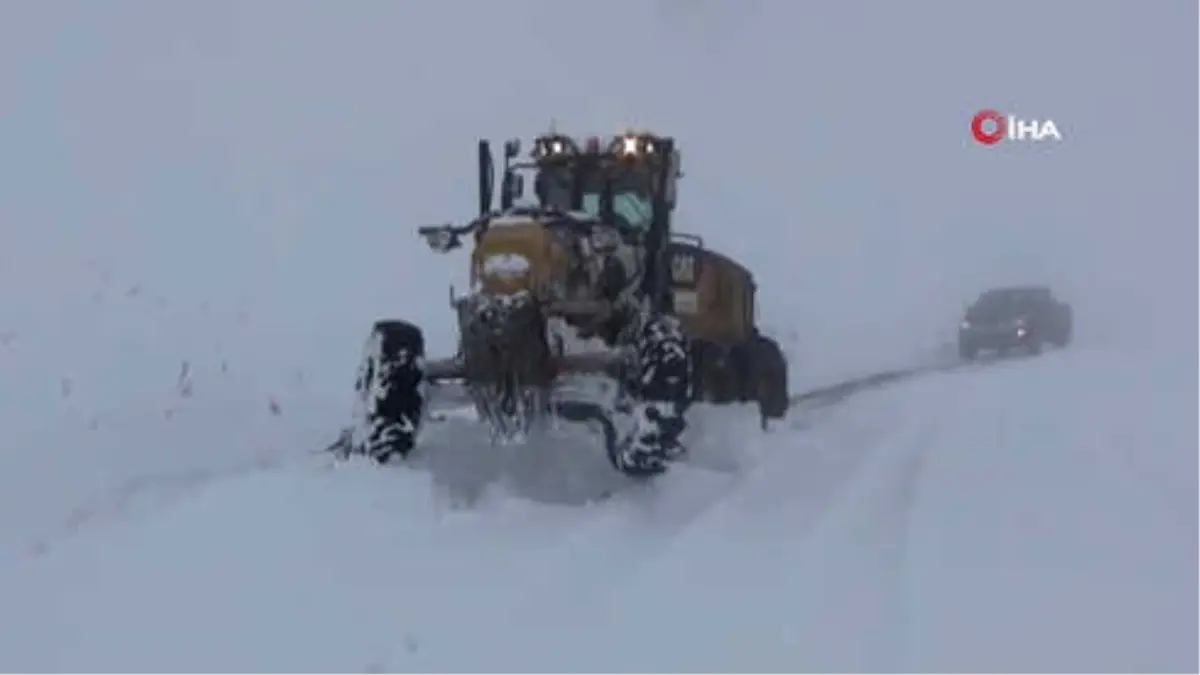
{"points": [[585, 289]]}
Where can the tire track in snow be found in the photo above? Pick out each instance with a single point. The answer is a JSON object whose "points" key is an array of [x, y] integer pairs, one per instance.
{"points": [[620, 535], [157, 491], [841, 559], [661, 511], [151, 492], [894, 518], [830, 563]]}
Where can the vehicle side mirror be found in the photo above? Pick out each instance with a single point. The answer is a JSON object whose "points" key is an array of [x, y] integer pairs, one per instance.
{"points": [[513, 188], [440, 238]]}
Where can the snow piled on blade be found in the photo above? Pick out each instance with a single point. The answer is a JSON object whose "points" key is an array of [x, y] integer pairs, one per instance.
{"points": [[1031, 515]]}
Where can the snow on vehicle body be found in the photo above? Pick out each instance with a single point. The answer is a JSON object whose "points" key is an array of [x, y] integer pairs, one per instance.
{"points": [[586, 280]]}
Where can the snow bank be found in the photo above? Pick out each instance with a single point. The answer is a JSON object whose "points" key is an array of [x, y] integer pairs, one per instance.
{"points": [[1032, 515]]}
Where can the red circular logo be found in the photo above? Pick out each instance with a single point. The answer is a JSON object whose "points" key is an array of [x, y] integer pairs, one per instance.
{"points": [[982, 135]]}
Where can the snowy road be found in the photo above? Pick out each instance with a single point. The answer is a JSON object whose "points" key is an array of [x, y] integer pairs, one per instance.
{"points": [[205, 205], [987, 519]]}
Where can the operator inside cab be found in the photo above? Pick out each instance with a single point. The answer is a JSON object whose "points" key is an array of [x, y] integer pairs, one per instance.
{"points": [[632, 204]]}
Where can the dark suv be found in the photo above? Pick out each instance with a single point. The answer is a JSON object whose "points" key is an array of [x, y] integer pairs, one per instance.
{"points": [[1020, 317]]}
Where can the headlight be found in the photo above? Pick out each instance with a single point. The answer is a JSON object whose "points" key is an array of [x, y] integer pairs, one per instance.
{"points": [[554, 145], [965, 324], [1020, 332], [632, 144]]}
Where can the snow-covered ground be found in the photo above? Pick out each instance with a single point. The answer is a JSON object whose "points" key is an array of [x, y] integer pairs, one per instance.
{"points": [[1036, 515], [204, 205]]}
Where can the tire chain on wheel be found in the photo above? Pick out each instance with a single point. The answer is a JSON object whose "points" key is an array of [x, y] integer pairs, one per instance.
{"points": [[663, 362], [661, 387], [390, 388]]}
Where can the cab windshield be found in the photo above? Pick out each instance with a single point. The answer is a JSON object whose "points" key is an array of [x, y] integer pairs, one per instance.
{"points": [[631, 202], [1004, 303], [632, 208]]}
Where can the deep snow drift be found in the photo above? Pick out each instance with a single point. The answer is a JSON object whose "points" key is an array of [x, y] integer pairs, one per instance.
{"points": [[1034, 515]]}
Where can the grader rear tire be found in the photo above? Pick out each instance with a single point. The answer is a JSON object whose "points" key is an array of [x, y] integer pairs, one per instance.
{"points": [[769, 374]]}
